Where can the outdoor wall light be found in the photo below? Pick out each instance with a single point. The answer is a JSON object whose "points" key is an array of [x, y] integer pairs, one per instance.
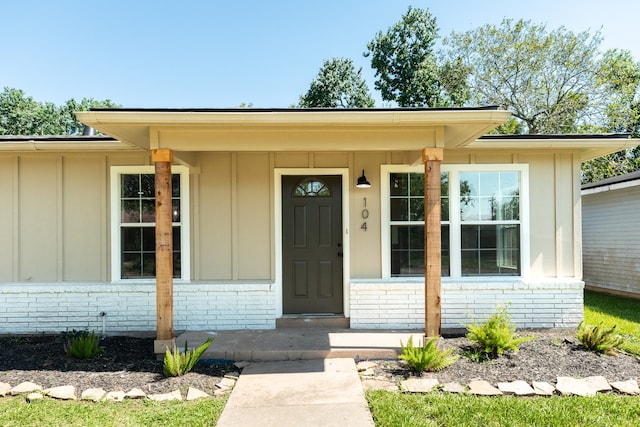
{"points": [[362, 181]]}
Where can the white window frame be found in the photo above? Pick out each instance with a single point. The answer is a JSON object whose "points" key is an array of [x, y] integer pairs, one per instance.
{"points": [[185, 243], [454, 216]]}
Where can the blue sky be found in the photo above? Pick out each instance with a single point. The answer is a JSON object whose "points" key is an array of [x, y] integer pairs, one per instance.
{"points": [[184, 54]]}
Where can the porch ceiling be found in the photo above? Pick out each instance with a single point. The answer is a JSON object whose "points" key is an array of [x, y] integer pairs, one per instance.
{"points": [[294, 129]]}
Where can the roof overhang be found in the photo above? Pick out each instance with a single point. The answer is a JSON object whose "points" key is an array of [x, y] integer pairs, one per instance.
{"points": [[295, 129], [589, 146], [66, 143]]}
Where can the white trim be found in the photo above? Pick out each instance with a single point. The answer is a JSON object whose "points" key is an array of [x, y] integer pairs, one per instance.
{"points": [[278, 173], [185, 244], [611, 187], [454, 214]]}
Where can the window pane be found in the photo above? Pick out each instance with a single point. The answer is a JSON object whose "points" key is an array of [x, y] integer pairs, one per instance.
{"points": [[147, 185], [399, 237], [490, 250], [444, 242], [175, 185], [175, 210], [131, 239], [416, 184], [416, 211], [131, 265], [148, 210], [444, 209], [149, 239], [149, 264], [399, 209], [176, 239], [398, 184], [130, 211], [129, 186], [311, 187]]}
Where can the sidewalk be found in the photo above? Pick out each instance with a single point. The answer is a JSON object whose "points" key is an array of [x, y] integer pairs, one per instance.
{"points": [[298, 393], [299, 377]]}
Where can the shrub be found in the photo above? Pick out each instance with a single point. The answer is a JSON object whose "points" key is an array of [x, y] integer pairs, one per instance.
{"points": [[427, 357], [83, 345], [497, 334], [178, 363], [599, 338]]}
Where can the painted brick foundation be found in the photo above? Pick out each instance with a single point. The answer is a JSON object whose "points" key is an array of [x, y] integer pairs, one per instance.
{"points": [[532, 304], [53, 308], [33, 308]]}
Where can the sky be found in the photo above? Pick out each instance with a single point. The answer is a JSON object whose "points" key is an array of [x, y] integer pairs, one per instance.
{"points": [[220, 54]]}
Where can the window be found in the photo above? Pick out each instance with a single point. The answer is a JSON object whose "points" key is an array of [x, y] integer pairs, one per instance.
{"points": [[481, 223], [406, 202], [133, 222]]}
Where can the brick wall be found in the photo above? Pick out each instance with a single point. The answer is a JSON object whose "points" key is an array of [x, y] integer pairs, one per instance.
{"points": [[32, 308], [400, 305]]}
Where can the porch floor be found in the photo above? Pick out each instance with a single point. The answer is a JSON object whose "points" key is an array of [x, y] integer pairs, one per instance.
{"points": [[298, 344]]}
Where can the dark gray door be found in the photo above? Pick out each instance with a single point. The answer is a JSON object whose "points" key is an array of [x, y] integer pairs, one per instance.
{"points": [[312, 244]]}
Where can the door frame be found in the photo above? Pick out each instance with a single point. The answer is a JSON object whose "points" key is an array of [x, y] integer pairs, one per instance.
{"points": [[277, 207]]}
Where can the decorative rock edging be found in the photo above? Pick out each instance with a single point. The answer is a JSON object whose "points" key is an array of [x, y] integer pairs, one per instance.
{"points": [[34, 392], [565, 386]]}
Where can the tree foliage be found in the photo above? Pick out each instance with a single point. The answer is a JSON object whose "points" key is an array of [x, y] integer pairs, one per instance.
{"points": [[338, 85], [544, 77], [22, 115], [407, 69]]}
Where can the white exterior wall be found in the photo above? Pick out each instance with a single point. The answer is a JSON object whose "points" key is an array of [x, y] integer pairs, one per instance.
{"points": [[610, 236], [551, 303], [59, 307]]}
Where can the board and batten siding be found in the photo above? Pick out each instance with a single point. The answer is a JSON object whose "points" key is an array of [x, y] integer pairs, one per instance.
{"points": [[611, 239]]}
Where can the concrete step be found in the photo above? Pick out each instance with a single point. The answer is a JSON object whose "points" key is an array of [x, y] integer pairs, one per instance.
{"points": [[312, 321]]}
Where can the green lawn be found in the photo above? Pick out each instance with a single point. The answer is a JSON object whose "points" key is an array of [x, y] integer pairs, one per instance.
{"points": [[391, 409], [15, 411], [624, 313]]}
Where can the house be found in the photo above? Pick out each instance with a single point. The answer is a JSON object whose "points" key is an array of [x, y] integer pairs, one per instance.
{"points": [[610, 218], [268, 216]]}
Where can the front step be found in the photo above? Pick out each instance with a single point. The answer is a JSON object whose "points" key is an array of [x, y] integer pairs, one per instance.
{"points": [[312, 321]]}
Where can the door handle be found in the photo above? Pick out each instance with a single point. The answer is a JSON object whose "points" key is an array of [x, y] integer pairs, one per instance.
{"points": [[340, 254]]}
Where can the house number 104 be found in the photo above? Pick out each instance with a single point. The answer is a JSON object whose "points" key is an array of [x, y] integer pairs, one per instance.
{"points": [[365, 215]]}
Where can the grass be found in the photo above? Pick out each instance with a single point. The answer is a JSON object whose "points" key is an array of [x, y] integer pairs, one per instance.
{"points": [[15, 411], [612, 310], [439, 409]]}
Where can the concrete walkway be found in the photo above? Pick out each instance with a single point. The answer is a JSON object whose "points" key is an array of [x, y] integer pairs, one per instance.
{"points": [[299, 377], [320, 392]]}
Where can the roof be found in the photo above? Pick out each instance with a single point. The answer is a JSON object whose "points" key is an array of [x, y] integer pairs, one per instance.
{"points": [[60, 143], [626, 178]]}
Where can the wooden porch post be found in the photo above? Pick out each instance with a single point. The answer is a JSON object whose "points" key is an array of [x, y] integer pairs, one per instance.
{"points": [[162, 159], [432, 157]]}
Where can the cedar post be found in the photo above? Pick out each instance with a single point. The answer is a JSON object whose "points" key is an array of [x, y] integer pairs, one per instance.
{"points": [[162, 158], [432, 157]]}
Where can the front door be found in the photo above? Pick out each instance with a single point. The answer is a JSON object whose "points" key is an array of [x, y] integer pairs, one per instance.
{"points": [[312, 244]]}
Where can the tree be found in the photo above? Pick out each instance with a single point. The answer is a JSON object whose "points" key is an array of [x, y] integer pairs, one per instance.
{"points": [[22, 115], [618, 79], [338, 85], [545, 78], [407, 69]]}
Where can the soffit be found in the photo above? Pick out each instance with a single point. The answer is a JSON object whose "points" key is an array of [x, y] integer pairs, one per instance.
{"points": [[296, 130]]}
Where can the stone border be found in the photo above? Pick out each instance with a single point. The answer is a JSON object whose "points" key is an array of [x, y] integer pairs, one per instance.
{"points": [[564, 386]]}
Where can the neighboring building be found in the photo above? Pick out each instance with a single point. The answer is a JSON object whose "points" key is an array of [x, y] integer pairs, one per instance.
{"points": [[611, 234], [268, 222]]}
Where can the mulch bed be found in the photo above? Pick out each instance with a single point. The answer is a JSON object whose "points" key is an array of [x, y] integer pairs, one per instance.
{"points": [[129, 362], [126, 362], [554, 353]]}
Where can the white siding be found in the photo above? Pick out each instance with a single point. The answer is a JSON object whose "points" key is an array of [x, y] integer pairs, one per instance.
{"points": [[611, 239]]}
